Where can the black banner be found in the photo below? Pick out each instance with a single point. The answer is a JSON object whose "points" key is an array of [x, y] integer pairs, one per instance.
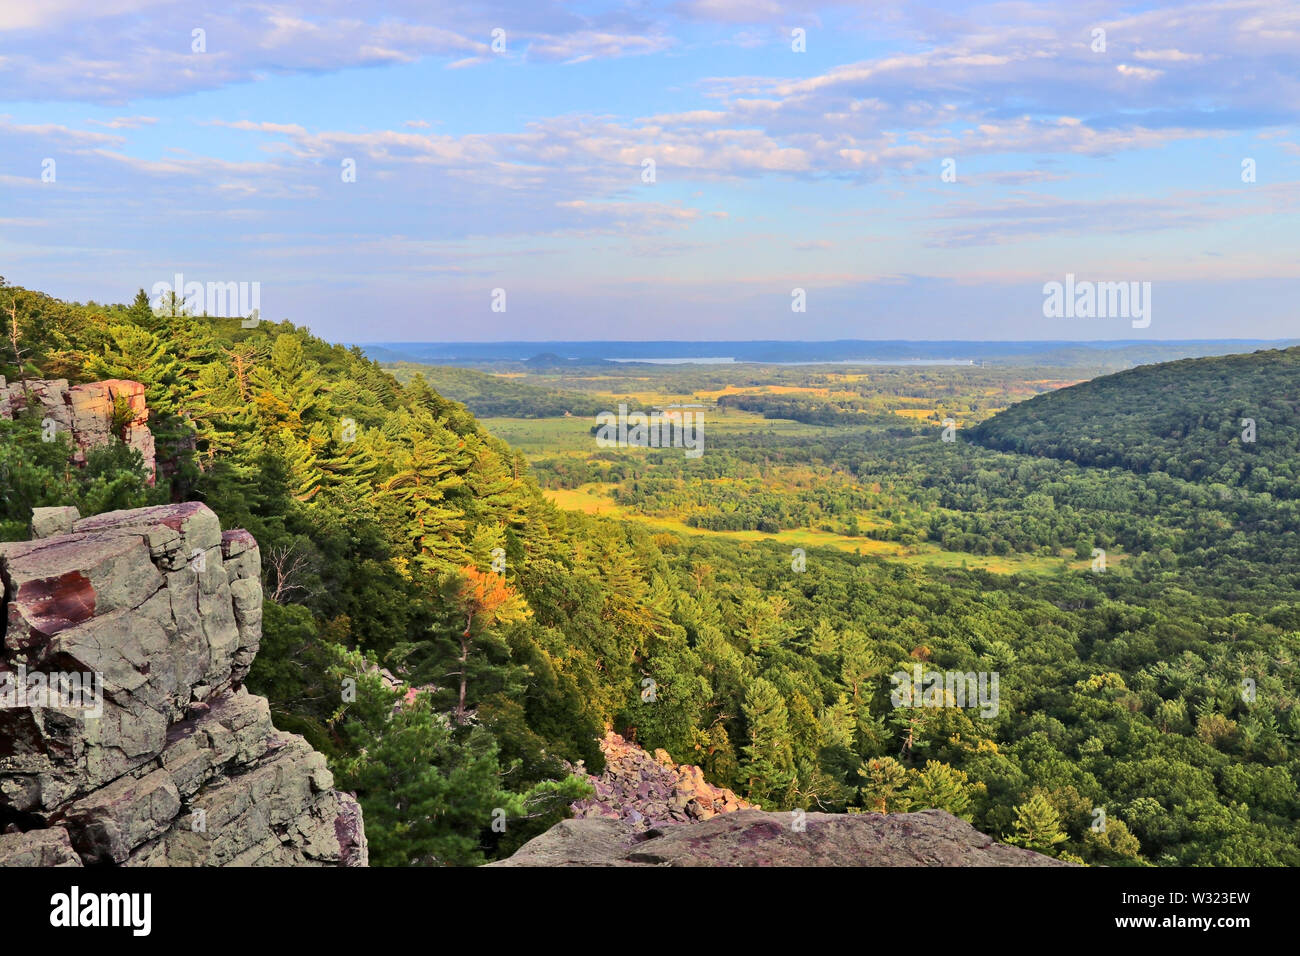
{"points": [[142, 907]]}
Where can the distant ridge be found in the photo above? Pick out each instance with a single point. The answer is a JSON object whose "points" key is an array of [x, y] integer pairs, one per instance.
{"points": [[1111, 353]]}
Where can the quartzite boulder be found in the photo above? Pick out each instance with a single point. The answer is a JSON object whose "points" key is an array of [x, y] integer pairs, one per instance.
{"points": [[86, 412], [181, 766], [645, 791], [758, 838]]}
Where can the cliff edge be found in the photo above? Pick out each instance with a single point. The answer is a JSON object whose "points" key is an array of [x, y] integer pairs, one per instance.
{"points": [[759, 838], [87, 413], [126, 736]]}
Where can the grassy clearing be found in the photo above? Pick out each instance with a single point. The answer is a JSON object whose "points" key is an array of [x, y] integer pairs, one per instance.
{"points": [[594, 499], [551, 437], [571, 437]]}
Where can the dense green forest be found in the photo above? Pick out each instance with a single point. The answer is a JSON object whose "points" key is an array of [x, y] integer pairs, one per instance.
{"points": [[384, 511], [489, 395], [1234, 420]]}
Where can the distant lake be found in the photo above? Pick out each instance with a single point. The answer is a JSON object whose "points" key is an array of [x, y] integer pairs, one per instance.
{"points": [[679, 361]]}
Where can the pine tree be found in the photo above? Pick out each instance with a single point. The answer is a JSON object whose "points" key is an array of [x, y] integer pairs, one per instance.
{"points": [[485, 601], [859, 664], [885, 790], [137, 354], [768, 764], [427, 797], [1037, 825], [942, 787]]}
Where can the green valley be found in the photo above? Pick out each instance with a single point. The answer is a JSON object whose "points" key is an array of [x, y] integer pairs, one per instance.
{"points": [[1131, 583]]}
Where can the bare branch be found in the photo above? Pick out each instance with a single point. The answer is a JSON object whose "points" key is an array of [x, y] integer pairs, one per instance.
{"points": [[288, 566]]}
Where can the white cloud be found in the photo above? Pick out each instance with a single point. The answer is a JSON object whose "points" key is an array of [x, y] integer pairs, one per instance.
{"points": [[125, 122], [1168, 56], [1138, 72]]}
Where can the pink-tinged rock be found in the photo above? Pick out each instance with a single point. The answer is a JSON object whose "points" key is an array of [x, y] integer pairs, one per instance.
{"points": [[86, 412], [756, 838], [350, 831], [57, 583], [645, 790], [194, 521], [38, 848], [236, 542], [169, 638]]}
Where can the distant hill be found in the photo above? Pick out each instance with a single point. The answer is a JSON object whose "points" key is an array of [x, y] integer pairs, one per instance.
{"points": [[494, 396], [548, 360], [1183, 418], [1103, 355]]}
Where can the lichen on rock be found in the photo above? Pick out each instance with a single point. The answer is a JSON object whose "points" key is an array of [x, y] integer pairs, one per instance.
{"points": [[181, 766]]}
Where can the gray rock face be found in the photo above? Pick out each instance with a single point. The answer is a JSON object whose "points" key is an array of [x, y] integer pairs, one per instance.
{"points": [[759, 838], [38, 848], [164, 759], [86, 412], [48, 522]]}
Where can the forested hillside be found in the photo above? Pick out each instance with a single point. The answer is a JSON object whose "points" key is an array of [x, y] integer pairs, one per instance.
{"points": [[385, 513], [493, 395], [1182, 418]]}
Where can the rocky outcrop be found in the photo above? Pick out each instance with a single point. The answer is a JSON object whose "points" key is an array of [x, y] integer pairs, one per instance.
{"points": [[758, 838], [160, 757], [86, 413], [644, 791], [635, 818]]}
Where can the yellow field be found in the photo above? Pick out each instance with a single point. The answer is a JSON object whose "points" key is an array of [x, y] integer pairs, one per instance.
{"points": [[591, 499], [714, 394]]}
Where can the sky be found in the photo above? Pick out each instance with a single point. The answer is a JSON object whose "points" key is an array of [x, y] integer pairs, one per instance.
{"points": [[691, 169]]}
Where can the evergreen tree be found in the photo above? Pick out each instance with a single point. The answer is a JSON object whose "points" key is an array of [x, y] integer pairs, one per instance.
{"points": [[768, 764], [1037, 825], [942, 787], [886, 787]]}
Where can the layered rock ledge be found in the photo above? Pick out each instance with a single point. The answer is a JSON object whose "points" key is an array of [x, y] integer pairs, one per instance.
{"points": [[759, 838], [180, 766]]}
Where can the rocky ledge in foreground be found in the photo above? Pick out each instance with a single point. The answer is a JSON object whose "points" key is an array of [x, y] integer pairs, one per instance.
{"points": [[172, 762], [759, 838]]}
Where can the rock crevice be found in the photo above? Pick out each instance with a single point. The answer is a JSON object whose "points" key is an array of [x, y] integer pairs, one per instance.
{"points": [[171, 762]]}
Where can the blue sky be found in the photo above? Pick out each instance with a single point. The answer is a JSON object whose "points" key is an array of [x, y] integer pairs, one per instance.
{"points": [[775, 168]]}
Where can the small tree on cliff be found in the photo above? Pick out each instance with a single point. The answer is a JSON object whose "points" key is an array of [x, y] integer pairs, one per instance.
{"points": [[485, 601]]}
